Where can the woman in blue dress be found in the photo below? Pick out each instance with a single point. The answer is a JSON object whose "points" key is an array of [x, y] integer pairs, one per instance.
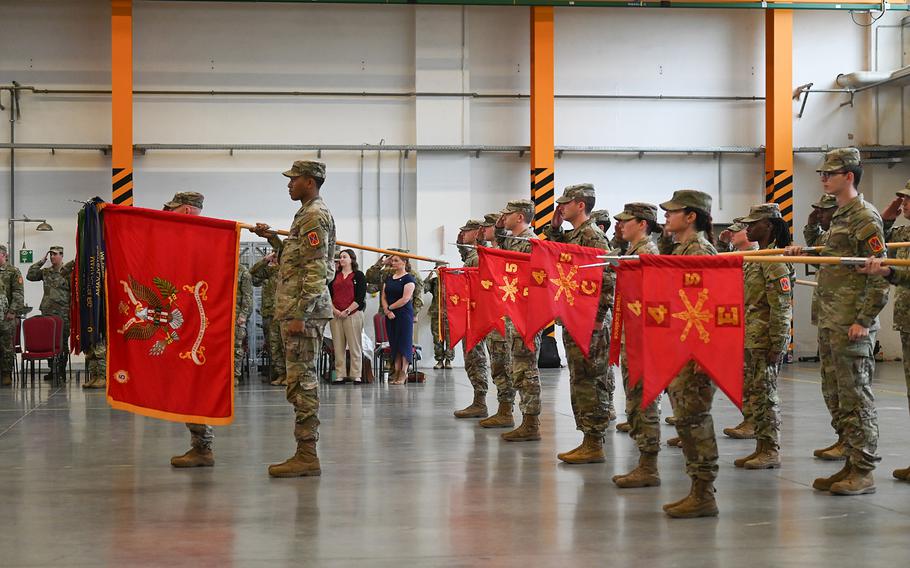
{"points": [[397, 291]]}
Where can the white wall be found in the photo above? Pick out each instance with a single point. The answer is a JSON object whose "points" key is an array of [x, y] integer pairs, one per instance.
{"points": [[245, 46]]}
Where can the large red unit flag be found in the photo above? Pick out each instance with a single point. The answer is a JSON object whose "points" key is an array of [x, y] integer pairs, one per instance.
{"points": [[560, 287], [171, 289], [456, 296], [627, 320], [504, 274], [482, 315], [693, 310]]}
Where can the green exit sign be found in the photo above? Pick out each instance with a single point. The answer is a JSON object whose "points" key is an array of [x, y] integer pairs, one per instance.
{"points": [[26, 255]]}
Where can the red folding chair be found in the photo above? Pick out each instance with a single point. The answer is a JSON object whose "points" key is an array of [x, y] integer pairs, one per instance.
{"points": [[42, 341]]}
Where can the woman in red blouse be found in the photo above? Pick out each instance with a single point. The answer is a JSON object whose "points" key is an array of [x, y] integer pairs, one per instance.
{"points": [[348, 290]]}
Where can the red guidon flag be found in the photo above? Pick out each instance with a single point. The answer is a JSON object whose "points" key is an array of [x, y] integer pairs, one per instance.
{"points": [[171, 287], [504, 275], [456, 295], [693, 310], [560, 287], [482, 315], [627, 320]]}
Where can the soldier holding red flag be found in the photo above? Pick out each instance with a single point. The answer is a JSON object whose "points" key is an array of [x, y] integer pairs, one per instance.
{"points": [[475, 360]]}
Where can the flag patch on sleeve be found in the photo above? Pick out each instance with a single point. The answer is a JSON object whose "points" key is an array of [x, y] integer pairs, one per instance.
{"points": [[313, 237], [785, 284]]}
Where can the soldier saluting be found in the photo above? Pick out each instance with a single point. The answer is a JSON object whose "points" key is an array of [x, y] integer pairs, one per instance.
{"points": [[56, 299]]}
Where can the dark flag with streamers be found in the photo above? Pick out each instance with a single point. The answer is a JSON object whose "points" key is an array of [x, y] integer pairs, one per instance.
{"points": [[88, 307]]}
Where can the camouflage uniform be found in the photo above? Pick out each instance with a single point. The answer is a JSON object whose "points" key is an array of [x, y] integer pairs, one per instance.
{"points": [[266, 276], [242, 311], [846, 297], [56, 299], [475, 360], [442, 352], [692, 391], [305, 269], [11, 288], [768, 295], [525, 377], [900, 277], [499, 347], [591, 382]]}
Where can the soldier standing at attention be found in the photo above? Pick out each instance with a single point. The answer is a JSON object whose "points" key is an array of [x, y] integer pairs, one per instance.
{"points": [[516, 219], [499, 347], [265, 274], [56, 299], [688, 218], [639, 222], [442, 352], [767, 295], [590, 389], [242, 310], [304, 307], [12, 291], [847, 317], [475, 360]]}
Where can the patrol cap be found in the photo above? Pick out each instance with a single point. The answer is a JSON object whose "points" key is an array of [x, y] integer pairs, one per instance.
{"points": [[602, 217], [406, 251], [737, 225], [57, 249], [518, 206], [906, 191], [688, 198], [471, 225], [190, 198], [306, 168], [826, 202], [763, 211], [578, 191], [645, 211], [840, 159], [491, 219], [3, 250]]}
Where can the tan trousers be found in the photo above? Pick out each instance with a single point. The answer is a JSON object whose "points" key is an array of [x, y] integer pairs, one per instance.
{"points": [[347, 333]]}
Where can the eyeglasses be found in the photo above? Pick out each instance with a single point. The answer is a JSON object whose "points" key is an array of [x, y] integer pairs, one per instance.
{"points": [[826, 175]]}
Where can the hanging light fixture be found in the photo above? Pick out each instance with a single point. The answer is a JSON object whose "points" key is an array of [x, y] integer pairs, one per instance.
{"points": [[44, 226]]}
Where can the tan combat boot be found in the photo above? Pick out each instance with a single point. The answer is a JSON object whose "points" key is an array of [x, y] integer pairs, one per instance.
{"points": [[741, 462], [743, 431], [675, 442], [591, 450], [671, 420], [529, 431], [304, 463], [825, 483], [95, 382], [645, 475], [624, 427], [194, 458], [818, 453], [281, 381], [6, 380], [902, 474], [837, 452], [477, 409], [699, 503], [857, 482], [768, 457], [502, 418]]}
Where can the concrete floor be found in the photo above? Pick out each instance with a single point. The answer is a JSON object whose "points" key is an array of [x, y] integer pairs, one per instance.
{"points": [[406, 484]]}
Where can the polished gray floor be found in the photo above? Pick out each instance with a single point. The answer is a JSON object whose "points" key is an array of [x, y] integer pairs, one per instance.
{"points": [[405, 484]]}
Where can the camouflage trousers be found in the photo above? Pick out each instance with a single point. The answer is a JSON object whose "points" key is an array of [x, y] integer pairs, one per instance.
{"points": [[847, 368], [500, 350], [905, 348], [7, 349], [525, 374], [761, 404], [60, 362], [301, 351], [96, 361], [441, 349], [692, 394], [475, 365], [239, 336], [276, 349], [202, 436], [589, 382], [645, 423]]}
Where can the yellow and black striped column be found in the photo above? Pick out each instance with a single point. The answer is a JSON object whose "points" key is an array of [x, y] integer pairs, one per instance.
{"points": [[542, 192], [779, 189], [122, 186]]}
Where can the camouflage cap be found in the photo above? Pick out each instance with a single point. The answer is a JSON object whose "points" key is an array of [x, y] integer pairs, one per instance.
{"points": [[406, 251], [763, 211], [491, 219], [578, 191], [602, 217], [56, 248], [737, 225], [904, 192], [190, 198], [826, 202], [471, 225], [645, 211], [839, 159], [3, 250], [306, 168], [688, 198], [518, 206]]}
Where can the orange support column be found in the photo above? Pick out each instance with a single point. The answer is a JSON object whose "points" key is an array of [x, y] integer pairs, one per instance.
{"points": [[542, 115], [779, 111], [122, 101]]}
